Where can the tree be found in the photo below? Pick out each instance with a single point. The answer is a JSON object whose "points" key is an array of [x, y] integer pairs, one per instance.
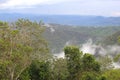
{"points": [[39, 70], [25, 75], [117, 58], [59, 69], [89, 63], [34, 30], [90, 68], [14, 51], [20, 42], [105, 62], [81, 67], [73, 58], [90, 76]]}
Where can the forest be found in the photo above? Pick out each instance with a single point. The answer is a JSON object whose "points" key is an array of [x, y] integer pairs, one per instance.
{"points": [[26, 52]]}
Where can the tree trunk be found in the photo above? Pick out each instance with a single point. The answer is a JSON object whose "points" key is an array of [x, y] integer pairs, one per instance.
{"points": [[12, 76]]}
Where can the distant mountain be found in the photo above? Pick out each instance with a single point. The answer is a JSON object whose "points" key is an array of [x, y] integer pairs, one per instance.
{"points": [[58, 36], [75, 20]]}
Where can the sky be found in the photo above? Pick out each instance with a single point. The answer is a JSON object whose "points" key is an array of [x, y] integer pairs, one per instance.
{"points": [[62, 7]]}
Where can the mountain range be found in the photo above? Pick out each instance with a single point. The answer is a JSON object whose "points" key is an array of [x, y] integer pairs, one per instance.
{"points": [[76, 20]]}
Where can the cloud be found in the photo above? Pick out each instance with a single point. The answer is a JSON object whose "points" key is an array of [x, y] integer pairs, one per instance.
{"points": [[116, 14], [17, 4], [72, 7], [13, 4]]}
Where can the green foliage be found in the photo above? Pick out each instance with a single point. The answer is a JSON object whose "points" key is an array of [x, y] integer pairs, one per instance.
{"points": [[105, 62], [90, 76], [112, 39], [81, 67], [117, 58], [20, 43], [16, 57], [103, 78], [73, 57], [39, 70], [25, 75], [3, 24], [89, 63], [112, 74], [59, 69]]}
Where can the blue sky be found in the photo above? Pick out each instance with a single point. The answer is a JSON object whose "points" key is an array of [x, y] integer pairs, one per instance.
{"points": [[62, 7]]}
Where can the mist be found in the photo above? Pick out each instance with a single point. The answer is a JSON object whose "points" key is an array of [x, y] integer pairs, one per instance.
{"points": [[101, 50], [97, 50]]}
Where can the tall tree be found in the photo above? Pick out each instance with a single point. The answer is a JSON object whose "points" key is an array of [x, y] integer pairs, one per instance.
{"points": [[20, 42], [34, 30], [73, 57]]}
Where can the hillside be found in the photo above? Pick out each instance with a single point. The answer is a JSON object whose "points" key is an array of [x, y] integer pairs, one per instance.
{"points": [[59, 36], [112, 39]]}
